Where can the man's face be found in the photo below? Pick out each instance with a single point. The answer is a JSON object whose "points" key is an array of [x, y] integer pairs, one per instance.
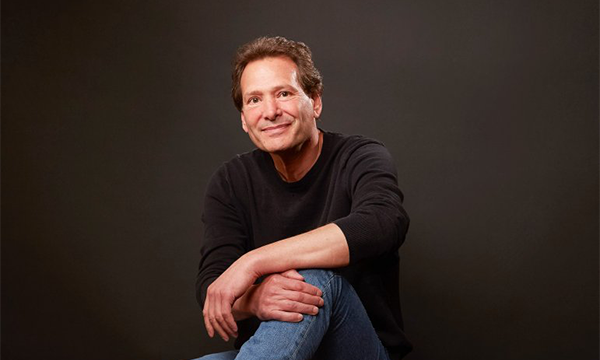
{"points": [[277, 114]]}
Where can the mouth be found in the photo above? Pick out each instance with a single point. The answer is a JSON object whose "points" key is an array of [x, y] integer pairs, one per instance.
{"points": [[276, 129]]}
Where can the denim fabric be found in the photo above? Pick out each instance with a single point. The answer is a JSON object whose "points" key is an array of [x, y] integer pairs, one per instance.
{"points": [[341, 329]]}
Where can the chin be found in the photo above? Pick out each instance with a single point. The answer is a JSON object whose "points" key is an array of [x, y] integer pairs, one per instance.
{"points": [[274, 145], [275, 148]]}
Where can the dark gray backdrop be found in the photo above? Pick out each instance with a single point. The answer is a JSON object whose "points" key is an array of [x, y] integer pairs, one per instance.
{"points": [[117, 112]]}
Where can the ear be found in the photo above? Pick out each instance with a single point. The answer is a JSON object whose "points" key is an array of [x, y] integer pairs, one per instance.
{"points": [[244, 126], [317, 105]]}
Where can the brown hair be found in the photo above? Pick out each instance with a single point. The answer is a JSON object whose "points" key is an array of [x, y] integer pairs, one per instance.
{"points": [[309, 77]]}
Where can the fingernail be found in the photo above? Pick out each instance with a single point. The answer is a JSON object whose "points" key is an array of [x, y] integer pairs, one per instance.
{"points": [[315, 310]]}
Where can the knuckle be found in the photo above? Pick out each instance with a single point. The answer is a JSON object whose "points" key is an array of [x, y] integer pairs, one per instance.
{"points": [[299, 297], [306, 300], [309, 289], [298, 285], [313, 300], [269, 289], [262, 315], [291, 305]]}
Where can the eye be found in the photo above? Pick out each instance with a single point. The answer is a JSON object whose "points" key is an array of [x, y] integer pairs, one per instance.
{"points": [[253, 100], [284, 94]]}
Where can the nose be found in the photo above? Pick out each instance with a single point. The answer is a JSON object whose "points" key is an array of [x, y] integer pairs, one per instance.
{"points": [[271, 109]]}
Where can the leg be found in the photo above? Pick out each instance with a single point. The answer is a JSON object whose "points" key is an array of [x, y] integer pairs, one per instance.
{"points": [[341, 324], [350, 334]]}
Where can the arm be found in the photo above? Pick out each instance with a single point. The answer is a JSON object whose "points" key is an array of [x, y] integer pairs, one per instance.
{"points": [[376, 209], [324, 247], [225, 236], [282, 297], [377, 223]]}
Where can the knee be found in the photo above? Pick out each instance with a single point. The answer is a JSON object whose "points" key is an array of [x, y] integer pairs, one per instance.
{"points": [[318, 277]]}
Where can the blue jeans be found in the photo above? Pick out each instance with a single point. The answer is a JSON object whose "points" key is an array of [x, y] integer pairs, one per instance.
{"points": [[341, 329]]}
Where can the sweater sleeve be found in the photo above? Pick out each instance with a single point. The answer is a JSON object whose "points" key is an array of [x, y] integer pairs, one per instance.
{"points": [[225, 235], [377, 222]]}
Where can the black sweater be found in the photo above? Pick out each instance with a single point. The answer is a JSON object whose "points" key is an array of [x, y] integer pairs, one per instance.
{"points": [[353, 184]]}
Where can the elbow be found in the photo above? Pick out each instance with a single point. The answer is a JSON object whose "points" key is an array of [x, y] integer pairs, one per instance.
{"points": [[403, 223], [397, 229]]}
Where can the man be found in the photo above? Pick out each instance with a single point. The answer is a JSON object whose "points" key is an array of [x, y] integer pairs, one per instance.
{"points": [[304, 201]]}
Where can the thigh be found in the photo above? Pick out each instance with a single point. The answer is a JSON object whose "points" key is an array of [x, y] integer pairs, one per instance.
{"points": [[341, 329], [350, 334]]}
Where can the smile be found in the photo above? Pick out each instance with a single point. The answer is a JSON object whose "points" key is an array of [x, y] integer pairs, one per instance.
{"points": [[277, 129]]}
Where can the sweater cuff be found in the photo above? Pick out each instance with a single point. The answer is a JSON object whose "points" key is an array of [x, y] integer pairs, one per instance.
{"points": [[358, 237]]}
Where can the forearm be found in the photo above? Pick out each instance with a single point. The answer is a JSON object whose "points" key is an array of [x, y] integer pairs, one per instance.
{"points": [[324, 247]]}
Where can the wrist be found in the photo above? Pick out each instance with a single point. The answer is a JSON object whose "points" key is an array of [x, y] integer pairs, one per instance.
{"points": [[242, 308], [251, 262]]}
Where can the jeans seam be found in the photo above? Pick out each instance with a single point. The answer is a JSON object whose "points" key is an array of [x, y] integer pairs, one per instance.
{"points": [[305, 334]]}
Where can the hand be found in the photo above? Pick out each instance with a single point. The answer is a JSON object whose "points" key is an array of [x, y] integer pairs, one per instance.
{"points": [[284, 297], [221, 295]]}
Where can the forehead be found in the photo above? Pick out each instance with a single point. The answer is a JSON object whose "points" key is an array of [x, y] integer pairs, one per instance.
{"points": [[269, 72]]}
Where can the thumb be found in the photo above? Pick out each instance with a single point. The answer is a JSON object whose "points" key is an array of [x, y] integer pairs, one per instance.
{"points": [[293, 274]]}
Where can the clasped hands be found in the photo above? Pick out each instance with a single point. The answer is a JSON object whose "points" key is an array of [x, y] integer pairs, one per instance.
{"points": [[233, 296]]}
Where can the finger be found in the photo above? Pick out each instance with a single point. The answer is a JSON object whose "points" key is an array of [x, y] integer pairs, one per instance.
{"points": [[293, 274], [209, 328], [229, 320], [302, 286], [287, 316], [221, 311], [304, 298], [212, 310], [217, 326], [298, 307]]}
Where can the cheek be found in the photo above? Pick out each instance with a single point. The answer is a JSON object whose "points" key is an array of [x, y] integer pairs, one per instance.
{"points": [[252, 117], [307, 110], [292, 108]]}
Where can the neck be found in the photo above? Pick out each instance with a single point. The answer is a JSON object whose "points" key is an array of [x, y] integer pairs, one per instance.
{"points": [[294, 164]]}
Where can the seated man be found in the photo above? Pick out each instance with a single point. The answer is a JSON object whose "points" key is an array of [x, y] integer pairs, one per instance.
{"points": [[300, 250]]}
